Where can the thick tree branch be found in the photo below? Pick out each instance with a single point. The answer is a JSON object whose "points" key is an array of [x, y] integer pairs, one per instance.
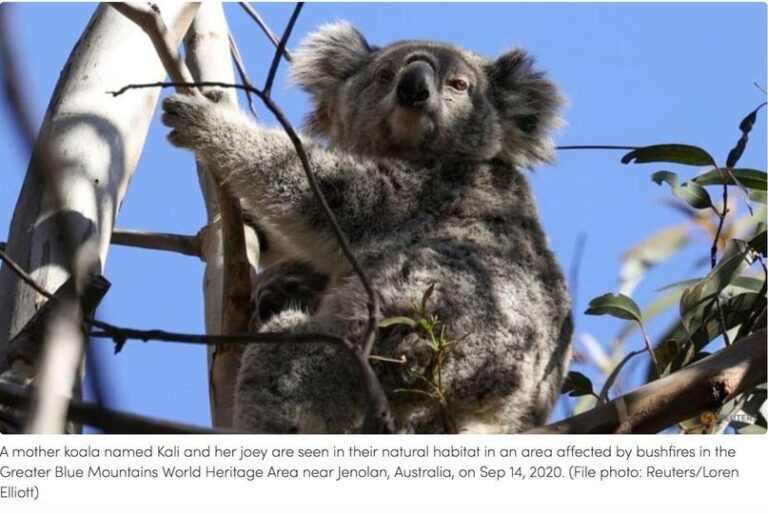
{"points": [[705, 385]]}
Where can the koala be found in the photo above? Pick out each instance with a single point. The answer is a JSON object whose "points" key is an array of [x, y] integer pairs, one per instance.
{"points": [[419, 148]]}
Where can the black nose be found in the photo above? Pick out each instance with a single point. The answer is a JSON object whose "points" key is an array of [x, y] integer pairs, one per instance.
{"points": [[415, 84]]}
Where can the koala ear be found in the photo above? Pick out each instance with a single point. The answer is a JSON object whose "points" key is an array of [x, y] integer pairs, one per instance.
{"points": [[527, 104], [324, 60]]}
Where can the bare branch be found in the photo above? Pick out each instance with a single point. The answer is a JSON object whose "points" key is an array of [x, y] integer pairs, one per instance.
{"points": [[186, 245], [110, 421], [147, 17], [244, 78], [281, 49], [595, 147], [264, 27], [705, 385]]}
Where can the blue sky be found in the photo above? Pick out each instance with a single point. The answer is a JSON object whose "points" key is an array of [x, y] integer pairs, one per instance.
{"points": [[635, 74]]}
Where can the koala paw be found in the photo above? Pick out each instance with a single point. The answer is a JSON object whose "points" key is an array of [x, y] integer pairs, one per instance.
{"points": [[190, 117], [290, 285]]}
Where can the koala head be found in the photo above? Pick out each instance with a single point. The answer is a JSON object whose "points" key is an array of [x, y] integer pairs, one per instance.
{"points": [[422, 100]]}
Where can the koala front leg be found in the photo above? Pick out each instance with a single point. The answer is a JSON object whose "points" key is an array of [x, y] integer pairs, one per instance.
{"points": [[261, 168]]}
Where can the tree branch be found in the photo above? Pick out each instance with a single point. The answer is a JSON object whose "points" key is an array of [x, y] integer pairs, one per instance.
{"points": [[111, 421], [265, 28], [186, 245], [147, 17], [704, 385]]}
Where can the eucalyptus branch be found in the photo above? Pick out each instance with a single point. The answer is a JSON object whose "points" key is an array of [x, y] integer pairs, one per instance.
{"points": [[281, 49], [705, 385], [186, 245], [108, 420], [265, 28], [241, 71]]}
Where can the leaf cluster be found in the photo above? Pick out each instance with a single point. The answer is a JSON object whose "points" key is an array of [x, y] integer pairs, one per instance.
{"points": [[728, 302]]}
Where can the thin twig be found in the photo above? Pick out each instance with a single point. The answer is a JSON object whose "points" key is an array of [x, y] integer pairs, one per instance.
{"points": [[244, 78], [265, 28], [595, 147], [713, 254], [281, 49], [23, 275], [146, 16], [108, 420], [120, 334], [649, 347]]}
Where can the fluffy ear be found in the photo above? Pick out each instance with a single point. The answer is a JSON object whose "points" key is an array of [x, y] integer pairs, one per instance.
{"points": [[321, 64], [527, 104]]}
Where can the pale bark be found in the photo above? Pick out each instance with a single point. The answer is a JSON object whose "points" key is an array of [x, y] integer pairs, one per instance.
{"points": [[92, 142], [227, 273]]}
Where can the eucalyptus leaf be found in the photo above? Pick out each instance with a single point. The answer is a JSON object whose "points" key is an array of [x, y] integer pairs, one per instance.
{"points": [[689, 192], [758, 196], [665, 353], [603, 397], [745, 127], [736, 310], [758, 243], [616, 305], [426, 296], [752, 179], [397, 320], [576, 384], [658, 306], [696, 297], [674, 153]]}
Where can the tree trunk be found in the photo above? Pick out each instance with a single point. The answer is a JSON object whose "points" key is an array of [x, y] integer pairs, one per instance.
{"points": [[92, 142]]}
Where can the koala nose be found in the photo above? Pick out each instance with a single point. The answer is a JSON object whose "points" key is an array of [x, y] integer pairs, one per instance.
{"points": [[415, 84]]}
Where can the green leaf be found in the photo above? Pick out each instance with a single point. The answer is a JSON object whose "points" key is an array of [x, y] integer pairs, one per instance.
{"points": [[758, 196], [747, 428], [759, 243], [659, 305], [674, 153], [752, 179], [397, 320], [746, 127], [665, 353], [603, 397], [576, 384], [736, 310], [696, 297], [426, 296], [618, 306], [689, 192]]}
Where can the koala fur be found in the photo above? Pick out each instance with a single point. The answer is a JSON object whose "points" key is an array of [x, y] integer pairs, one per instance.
{"points": [[422, 169]]}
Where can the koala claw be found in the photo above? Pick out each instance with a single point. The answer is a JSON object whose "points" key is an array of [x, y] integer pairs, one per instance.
{"points": [[183, 114]]}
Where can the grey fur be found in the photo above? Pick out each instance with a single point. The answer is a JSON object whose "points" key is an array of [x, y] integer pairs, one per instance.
{"points": [[428, 197]]}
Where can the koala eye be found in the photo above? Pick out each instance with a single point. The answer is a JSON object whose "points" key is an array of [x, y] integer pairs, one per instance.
{"points": [[384, 76], [459, 84]]}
